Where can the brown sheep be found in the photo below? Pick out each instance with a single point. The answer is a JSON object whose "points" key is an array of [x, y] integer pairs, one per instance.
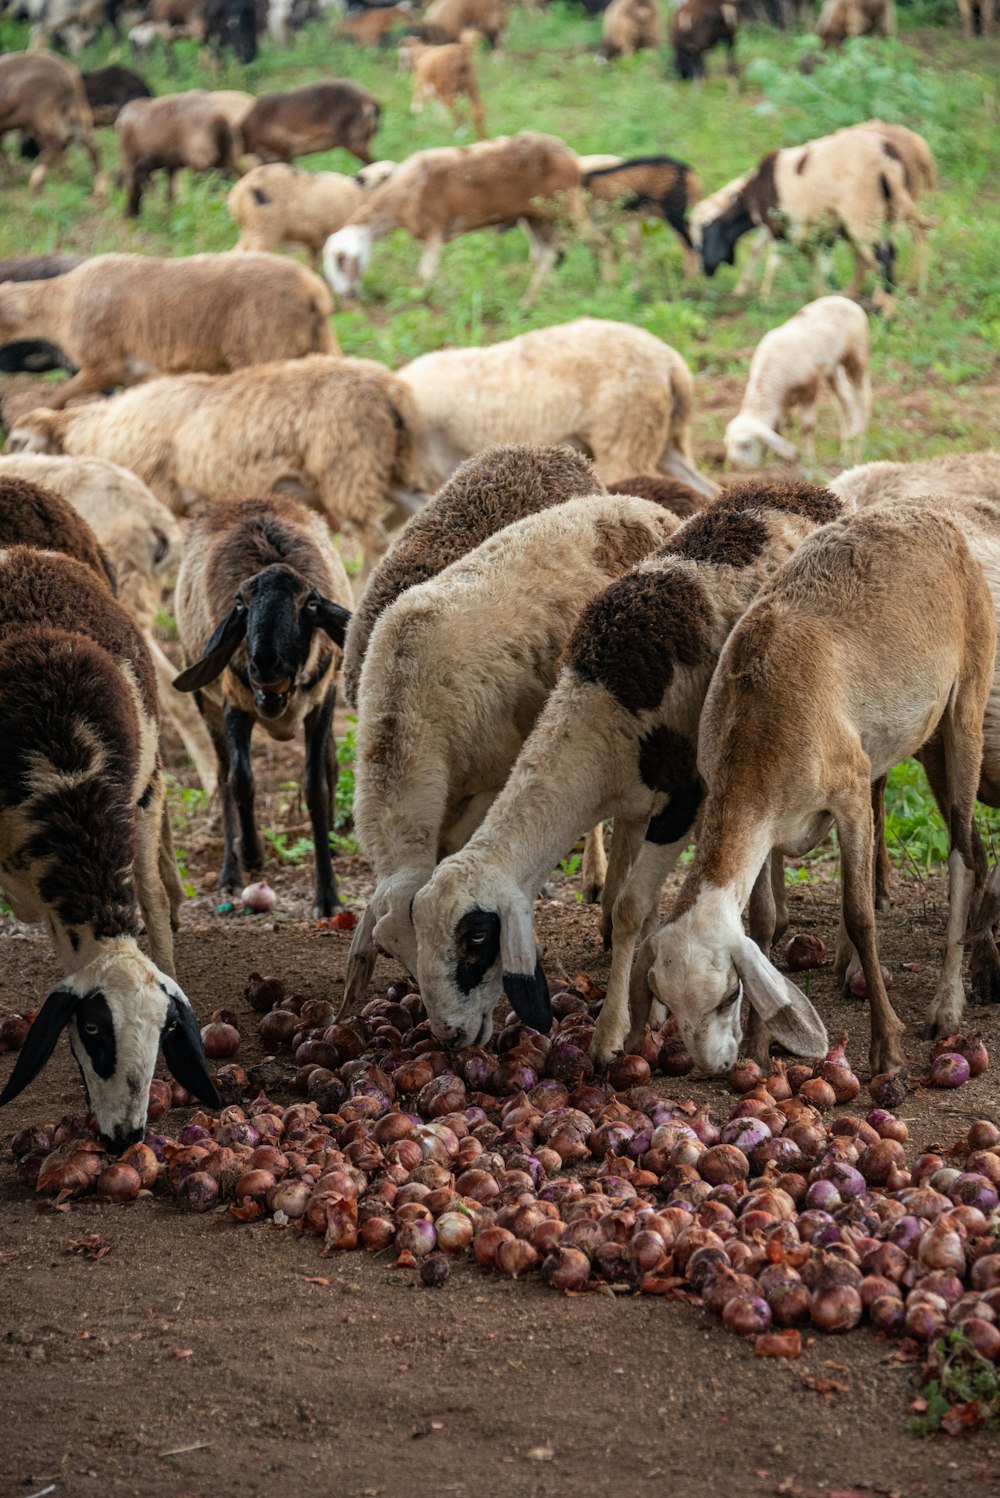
{"points": [[698, 26], [445, 20], [445, 73], [374, 26], [44, 97], [31, 515], [33, 355], [629, 26], [108, 90], [317, 117], [207, 312], [840, 19], [646, 185], [672, 494], [191, 130]]}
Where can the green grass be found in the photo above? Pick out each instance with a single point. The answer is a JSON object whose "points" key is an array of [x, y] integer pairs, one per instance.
{"points": [[963, 1394]]}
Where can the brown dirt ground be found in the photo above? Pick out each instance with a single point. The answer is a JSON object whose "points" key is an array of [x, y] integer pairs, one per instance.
{"points": [[365, 1384]]}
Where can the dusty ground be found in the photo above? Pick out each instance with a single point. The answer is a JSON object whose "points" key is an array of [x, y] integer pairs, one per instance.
{"points": [[199, 1357]]}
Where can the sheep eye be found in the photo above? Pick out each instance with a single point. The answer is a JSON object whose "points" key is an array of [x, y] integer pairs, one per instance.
{"points": [[476, 938], [90, 1028], [733, 997], [312, 605], [239, 605]]}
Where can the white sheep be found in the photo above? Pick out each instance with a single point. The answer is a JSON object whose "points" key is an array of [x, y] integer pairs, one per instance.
{"points": [[954, 476], [825, 343], [280, 204]]}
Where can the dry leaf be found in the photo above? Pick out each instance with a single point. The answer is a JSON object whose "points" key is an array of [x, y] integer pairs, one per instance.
{"points": [[91, 1247], [540, 1454], [183, 1352], [786, 1344], [822, 1385]]}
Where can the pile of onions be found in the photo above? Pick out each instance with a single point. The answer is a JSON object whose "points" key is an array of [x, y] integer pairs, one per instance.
{"points": [[783, 1217]]}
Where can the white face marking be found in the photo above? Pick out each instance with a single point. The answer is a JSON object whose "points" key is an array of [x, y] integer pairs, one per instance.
{"points": [[345, 257], [694, 975]]}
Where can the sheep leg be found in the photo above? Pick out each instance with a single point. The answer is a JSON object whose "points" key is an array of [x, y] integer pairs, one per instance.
{"points": [[626, 840], [51, 152], [238, 726], [883, 868], [761, 243], [153, 901], [168, 868], [595, 865], [185, 718], [543, 243], [852, 813], [779, 893], [985, 961], [318, 725], [807, 426], [431, 258], [229, 876]]}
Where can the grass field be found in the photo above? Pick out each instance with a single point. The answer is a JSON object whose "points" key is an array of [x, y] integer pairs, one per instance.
{"points": [[935, 367]]}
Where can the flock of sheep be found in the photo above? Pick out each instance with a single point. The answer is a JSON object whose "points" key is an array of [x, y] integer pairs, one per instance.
{"points": [[572, 625]]}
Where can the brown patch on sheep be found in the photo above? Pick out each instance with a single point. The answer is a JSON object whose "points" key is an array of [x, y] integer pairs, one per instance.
{"points": [[761, 196], [620, 544], [667, 759], [803, 159], [31, 515], [811, 501], [632, 637], [723, 537], [247, 535], [672, 494]]}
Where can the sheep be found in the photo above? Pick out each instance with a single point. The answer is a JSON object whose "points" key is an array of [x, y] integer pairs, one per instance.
{"points": [[341, 434], [374, 26], [647, 185], [840, 19], [64, 23], [698, 26], [193, 130], [953, 476], [431, 759], [209, 312], [825, 342], [279, 204], [44, 97], [108, 90], [446, 73], [674, 495], [709, 208], [978, 17], [486, 493], [32, 515], [880, 634], [34, 355], [445, 20], [616, 738], [142, 539], [629, 26], [316, 117], [849, 185], [612, 390], [235, 24], [81, 802], [260, 583], [440, 194]]}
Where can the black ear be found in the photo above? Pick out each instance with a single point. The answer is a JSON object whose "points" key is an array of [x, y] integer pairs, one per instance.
{"points": [[161, 548], [50, 1022], [218, 653], [331, 617], [530, 998], [184, 1053]]}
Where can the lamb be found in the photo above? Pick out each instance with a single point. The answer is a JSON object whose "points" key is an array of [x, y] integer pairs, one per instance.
{"points": [[430, 761], [260, 584], [629, 26], [852, 184], [440, 194], [486, 493], [840, 19], [978, 17], [316, 117], [209, 312], [445, 20], [646, 185], [142, 540], [81, 801], [279, 204], [616, 738], [698, 26], [193, 130], [108, 90], [341, 434], [825, 342], [445, 73], [887, 659], [611, 390], [954, 476], [44, 97]]}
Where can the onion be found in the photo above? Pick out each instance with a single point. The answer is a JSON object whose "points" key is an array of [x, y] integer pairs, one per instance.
{"points": [[986, 1272], [984, 1337], [887, 1313], [747, 1316], [744, 1075], [804, 952], [220, 1041], [983, 1134], [924, 1321], [819, 1093], [66, 1173], [119, 1183], [514, 1256], [887, 1090], [198, 1192], [723, 1164], [487, 1242], [674, 1059], [13, 1033], [159, 1099], [975, 1191], [143, 1161], [259, 897], [835, 1308], [628, 1071], [435, 1271], [877, 1160], [949, 1070], [566, 1269], [859, 983], [745, 1133]]}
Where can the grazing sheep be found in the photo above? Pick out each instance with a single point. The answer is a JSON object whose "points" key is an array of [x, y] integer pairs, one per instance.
{"points": [[143, 542], [44, 97], [445, 73], [108, 90], [340, 434], [279, 204], [629, 26], [644, 186], [611, 390], [674, 495], [850, 185], [882, 660], [616, 738], [840, 19], [316, 117], [429, 759], [954, 476], [210, 312], [698, 26], [487, 492], [709, 208], [445, 20], [440, 194], [978, 17], [81, 819], [32, 515], [374, 26], [260, 583], [68, 24], [193, 131], [34, 355], [234, 25], [826, 342]]}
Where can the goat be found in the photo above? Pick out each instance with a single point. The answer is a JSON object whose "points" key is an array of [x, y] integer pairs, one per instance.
{"points": [[826, 342], [81, 814], [316, 117], [45, 98], [259, 583]]}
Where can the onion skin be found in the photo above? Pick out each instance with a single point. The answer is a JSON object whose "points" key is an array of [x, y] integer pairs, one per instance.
{"points": [[835, 1308], [198, 1192], [118, 1183], [783, 1344]]}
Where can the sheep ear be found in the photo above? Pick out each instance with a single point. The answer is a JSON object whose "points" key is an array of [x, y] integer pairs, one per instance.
{"points": [[333, 619], [218, 653], [787, 1012], [50, 1022], [524, 982], [180, 1041], [161, 548]]}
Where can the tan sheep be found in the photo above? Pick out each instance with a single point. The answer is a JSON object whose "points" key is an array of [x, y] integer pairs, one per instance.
{"points": [[445, 74], [44, 97], [608, 389], [629, 26], [445, 20], [374, 26], [118, 318], [340, 434], [840, 19], [278, 204], [196, 130], [953, 476]]}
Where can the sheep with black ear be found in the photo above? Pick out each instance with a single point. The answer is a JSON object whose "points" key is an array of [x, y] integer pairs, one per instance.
{"points": [[260, 586], [81, 815]]}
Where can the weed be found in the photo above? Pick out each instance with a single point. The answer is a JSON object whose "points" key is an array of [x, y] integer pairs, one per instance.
{"points": [[963, 1393]]}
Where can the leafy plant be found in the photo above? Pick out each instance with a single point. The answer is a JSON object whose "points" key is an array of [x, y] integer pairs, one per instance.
{"points": [[963, 1393]]}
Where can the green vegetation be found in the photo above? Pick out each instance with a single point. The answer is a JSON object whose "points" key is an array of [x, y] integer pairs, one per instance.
{"points": [[964, 1392]]}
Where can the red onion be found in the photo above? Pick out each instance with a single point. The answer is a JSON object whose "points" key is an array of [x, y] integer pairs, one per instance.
{"points": [[159, 1099], [887, 1313], [435, 1271], [566, 1269], [263, 994], [986, 1272], [887, 1090], [514, 1257], [835, 1308], [13, 1033], [198, 1192], [143, 1160], [220, 1041], [745, 1075], [818, 1093], [983, 1134], [118, 1183], [747, 1316], [804, 951], [984, 1337], [949, 1070], [259, 897]]}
